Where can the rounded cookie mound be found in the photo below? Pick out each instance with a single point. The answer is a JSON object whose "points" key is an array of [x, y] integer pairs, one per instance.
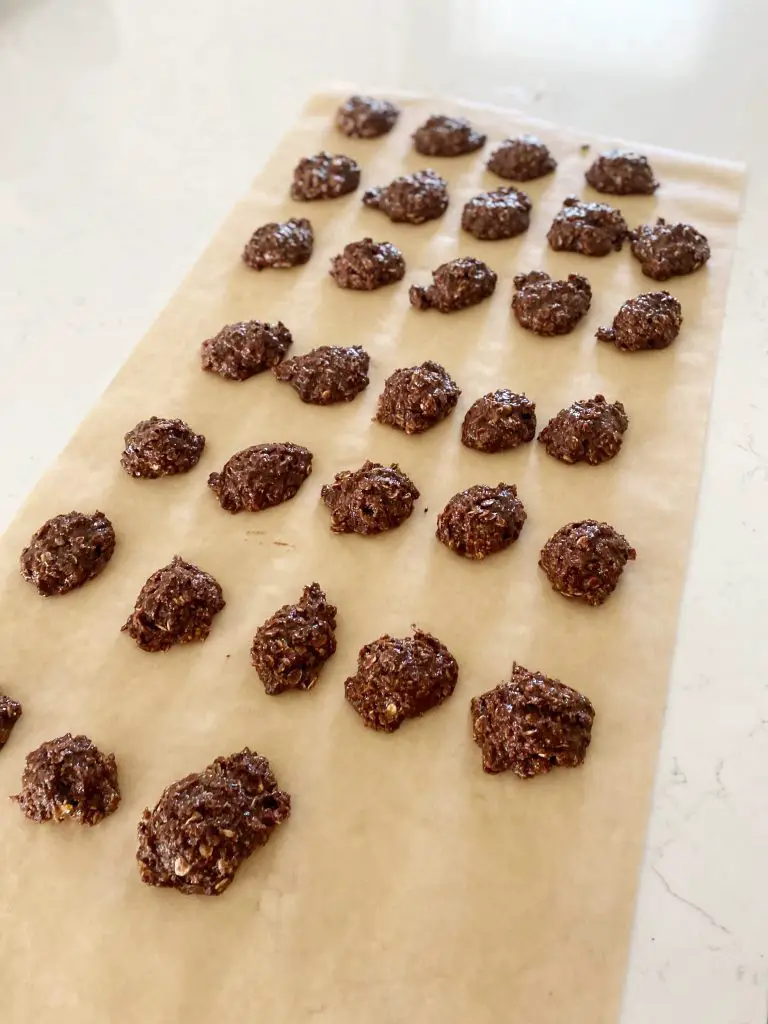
{"points": [[417, 397], [67, 551], [326, 375], [649, 321], [456, 285], [550, 307], [531, 725], [365, 117], [410, 199], [324, 176], [446, 136], [10, 713], [524, 158], [176, 605], [261, 476], [503, 213], [585, 560], [205, 825], [159, 447], [400, 678], [280, 245], [369, 500], [499, 421], [481, 520], [69, 778], [589, 431], [366, 265], [592, 229], [668, 250], [622, 173], [242, 350], [292, 646]]}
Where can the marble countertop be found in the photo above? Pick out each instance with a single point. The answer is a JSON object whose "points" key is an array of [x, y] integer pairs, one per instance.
{"points": [[130, 127]]}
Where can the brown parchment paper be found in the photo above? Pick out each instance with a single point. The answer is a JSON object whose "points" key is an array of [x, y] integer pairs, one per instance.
{"points": [[407, 886]]}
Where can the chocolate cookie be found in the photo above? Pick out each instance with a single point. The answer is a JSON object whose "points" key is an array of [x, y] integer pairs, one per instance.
{"points": [[292, 646], [400, 678], [668, 250], [522, 159], [367, 265], [550, 307], [10, 713], [364, 117], [242, 350], [590, 431], [446, 136], [649, 321], [69, 778], [621, 173], [67, 551], [499, 421], [262, 476], [158, 447], [531, 725], [503, 213], [205, 825], [411, 199], [456, 285], [369, 500], [417, 397], [324, 177], [585, 560], [481, 520], [280, 246], [592, 229], [176, 605], [326, 375]]}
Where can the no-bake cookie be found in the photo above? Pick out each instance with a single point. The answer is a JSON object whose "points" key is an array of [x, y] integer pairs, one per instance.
{"points": [[366, 265], [481, 520], [592, 229], [369, 500], [326, 375], [416, 398], [587, 431], [585, 560], [503, 213], [261, 476], [456, 285], [67, 551], [447, 136], [622, 173], [242, 350], [324, 176], [280, 245], [159, 447], [648, 321], [668, 250], [521, 159], [549, 307], [366, 117], [499, 421], [292, 646], [411, 198]]}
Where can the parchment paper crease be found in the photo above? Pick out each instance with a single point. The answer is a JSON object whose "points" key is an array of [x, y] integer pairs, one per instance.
{"points": [[407, 886]]}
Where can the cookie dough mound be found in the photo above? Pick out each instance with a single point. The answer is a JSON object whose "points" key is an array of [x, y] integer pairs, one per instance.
{"points": [[503, 213], [521, 159], [69, 778], [649, 321], [446, 136], [292, 646], [416, 398], [242, 350], [499, 421], [262, 476], [204, 826], [621, 173], [400, 678], [67, 551], [481, 520], [367, 265], [158, 447], [369, 500], [592, 229], [669, 250], [327, 375], [280, 245], [585, 560], [531, 725], [176, 605], [410, 199], [324, 176], [588, 431], [550, 307], [10, 713], [365, 117], [456, 285]]}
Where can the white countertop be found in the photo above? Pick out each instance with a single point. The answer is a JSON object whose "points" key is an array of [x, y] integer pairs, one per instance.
{"points": [[130, 127]]}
